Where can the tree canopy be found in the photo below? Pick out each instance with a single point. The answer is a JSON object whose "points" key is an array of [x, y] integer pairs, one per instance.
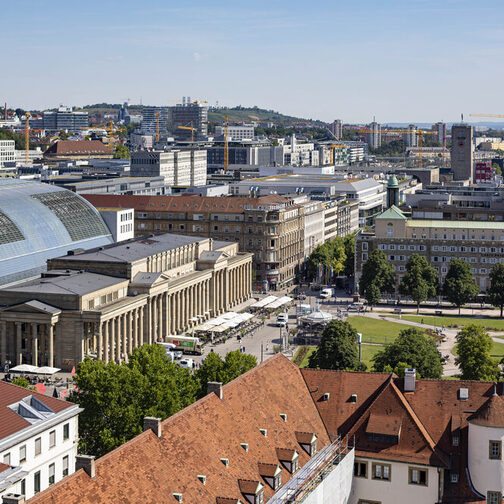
{"points": [[337, 348], [459, 285], [496, 290], [330, 254], [377, 277], [474, 359], [420, 281], [414, 348], [121, 152], [116, 398]]}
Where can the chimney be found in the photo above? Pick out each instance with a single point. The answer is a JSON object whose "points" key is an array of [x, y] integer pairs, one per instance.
{"points": [[215, 387], [409, 380], [13, 499], [86, 462], [154, 424]]}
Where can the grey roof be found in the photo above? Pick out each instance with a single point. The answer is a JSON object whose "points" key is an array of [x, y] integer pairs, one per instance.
{"points": [[135, 249], [212, 255], [147, 279], [40, 221], [38, 305], [392, 213], [218, 244], [78, 283]]}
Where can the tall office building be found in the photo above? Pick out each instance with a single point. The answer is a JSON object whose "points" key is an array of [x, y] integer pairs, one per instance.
{"points": [[337, 129], [411, 137], [149, 120], [374, 135], [189, 115], [64, 119], [440, 129], [462, 152]]}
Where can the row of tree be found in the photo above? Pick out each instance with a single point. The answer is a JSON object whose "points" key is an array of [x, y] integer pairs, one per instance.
{"points": [[421, 281], [116, 397], [336, 255], [413, 348]]}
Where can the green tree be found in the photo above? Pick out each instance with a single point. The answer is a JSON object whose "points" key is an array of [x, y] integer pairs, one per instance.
{"points": [[420, 281], [459, 285], [223, 370], [496, 290], [473, 349], [22, 382], [349, 244], [121, 152], [337, 348], [331, 255], [497, 169], [115, 398], [377, 277], [414, 348]]}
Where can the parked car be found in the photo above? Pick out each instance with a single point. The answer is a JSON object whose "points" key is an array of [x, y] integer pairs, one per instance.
{"points": [[356, 307], [178, 354], [282, 320], [301, 297], [187, 363], [326, 293]]}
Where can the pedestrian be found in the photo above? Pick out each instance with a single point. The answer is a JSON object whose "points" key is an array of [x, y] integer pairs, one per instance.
{"points": [[243, 349], [267, 347], [422, 321]]}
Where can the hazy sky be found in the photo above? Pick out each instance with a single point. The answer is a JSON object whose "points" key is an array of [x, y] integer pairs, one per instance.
{"points": [[399, 60]]}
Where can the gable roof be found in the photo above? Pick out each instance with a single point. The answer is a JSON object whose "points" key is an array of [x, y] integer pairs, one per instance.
{"points": [[490, 414], [392, 213], [147, 469], [67, 147]]}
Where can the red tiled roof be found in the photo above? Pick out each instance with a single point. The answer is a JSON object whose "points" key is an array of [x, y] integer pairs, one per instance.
{"points": [[490, 414], [186, 203], [249, 486], [147, 469], [66, 147], [11, 422], [286, 454], [384, 424], [268, 470]]}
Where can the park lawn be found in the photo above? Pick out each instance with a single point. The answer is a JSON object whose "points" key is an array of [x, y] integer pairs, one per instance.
{"points": [[490, 323], [375, 330], [368, 352]]}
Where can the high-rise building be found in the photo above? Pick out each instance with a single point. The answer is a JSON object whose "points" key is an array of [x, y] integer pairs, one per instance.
{"points": [[411, 136], [189, 115], [64, 119], [374, 135], [440, 129], [462, 152], [7, 152], [337, 128], [149, 120]]}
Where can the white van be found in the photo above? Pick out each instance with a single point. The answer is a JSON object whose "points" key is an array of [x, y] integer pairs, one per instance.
{"points": [[326, 293]]}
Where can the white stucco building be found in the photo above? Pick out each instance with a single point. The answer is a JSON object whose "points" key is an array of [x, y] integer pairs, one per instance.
{"points": [[7, 152], [38, 440]]}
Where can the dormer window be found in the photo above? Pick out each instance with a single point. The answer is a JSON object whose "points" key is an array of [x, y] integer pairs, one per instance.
{"points": [[307, 441], [253, 491], [271, 474], [289, 459]]}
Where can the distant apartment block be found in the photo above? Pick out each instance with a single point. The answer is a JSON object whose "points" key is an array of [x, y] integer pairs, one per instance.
{"points": [[65, 119], [7, 152], [336, 128], [462, 152], [151, 119], [236, 133], [374, 135], [189, 115]]}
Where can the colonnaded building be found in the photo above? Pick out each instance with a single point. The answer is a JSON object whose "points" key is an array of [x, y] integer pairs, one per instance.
{"points": [[106, 301]]}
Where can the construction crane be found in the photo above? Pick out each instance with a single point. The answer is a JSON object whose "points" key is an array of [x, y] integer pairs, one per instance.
{"points": [[27, 138], [156, 115], [488, 115], [226, 145], [418, 132], [189, 128], [333, 147]]}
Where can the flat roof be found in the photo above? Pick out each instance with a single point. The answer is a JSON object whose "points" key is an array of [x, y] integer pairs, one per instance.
{"points": [[455, 224], [135, 249]]}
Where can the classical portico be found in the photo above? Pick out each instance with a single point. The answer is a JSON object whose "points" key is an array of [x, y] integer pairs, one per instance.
{"points": [[70, 314]]}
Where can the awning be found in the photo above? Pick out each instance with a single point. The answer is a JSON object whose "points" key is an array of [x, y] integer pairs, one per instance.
{"points": [[27, 368]]}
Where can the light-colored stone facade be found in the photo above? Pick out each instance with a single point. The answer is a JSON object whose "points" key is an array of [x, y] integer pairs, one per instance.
{"points": [[106, 302]]}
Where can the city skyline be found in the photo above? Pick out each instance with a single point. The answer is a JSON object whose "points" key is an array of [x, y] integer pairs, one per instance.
{"points": [[400, 63]]}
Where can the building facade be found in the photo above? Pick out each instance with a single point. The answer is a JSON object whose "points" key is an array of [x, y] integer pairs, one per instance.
{"points": [[7, 152], [462, 152], [105, 302], [120, 221], [336, 128], [189, 115], [38, 440], [270, 227], [440, 129], [154, 119], [180, 168], [481, 244], [374, 135], [65, 119], [236, 133]]}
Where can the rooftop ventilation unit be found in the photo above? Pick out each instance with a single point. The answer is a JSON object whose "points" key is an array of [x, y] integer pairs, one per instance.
{"points": [[353, 398], [244, 446], [202, 478], [283, 416], [264, 432], [225, 461], [178, 497], [463, 394], [326, 396]]}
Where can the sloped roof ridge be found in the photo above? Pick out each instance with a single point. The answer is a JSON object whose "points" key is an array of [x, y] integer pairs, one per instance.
{"points": [[344, 371]]}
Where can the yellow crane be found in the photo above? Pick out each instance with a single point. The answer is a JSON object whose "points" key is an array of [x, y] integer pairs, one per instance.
{"points": [[156, 115], [487, 115], [189, 128], [27, 138], [419, 132]]}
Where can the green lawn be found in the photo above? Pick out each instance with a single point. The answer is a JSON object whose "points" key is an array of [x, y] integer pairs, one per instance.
{"points": [[375, 330], [490, 323], [368, 351]]}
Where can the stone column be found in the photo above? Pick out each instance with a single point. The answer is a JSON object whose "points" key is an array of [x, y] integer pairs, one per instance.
{"points": [[118, 339], [141, 325], [124, 335], [105, 347], [19, 352], [130, 332], [34, 345], [51, 345], [99, 347], [3, 343], [112, 339], [182, 309]]}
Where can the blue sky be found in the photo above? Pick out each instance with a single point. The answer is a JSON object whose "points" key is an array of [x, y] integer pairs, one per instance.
{"points": [[398, 60]]}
